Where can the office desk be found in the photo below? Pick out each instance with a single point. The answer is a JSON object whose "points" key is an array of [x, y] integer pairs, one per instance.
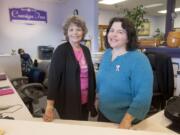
{"points": [[155, 123], [14, 99], [16, 127]]}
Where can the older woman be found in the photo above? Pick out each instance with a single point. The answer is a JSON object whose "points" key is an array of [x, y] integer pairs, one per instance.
{"points": [[71, 86], [125, 78]]}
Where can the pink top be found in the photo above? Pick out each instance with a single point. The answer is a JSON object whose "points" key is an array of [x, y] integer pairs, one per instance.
{"points": [[83, 74]]}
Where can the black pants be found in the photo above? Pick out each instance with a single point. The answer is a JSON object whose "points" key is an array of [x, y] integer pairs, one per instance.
{"points": [[102, 118], [85, 112], [83, 116]]}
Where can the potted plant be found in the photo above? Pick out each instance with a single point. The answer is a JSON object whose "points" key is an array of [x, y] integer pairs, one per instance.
{"points": [[159, 36], [136, 15]]}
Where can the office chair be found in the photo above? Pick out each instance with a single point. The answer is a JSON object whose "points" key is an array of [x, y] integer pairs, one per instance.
{"points": [[163, 86], [17, 83], [30, 93]]}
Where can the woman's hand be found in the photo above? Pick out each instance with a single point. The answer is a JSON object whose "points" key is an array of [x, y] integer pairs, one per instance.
{"points": [[126, 121], [49, 114], [125, 125]]}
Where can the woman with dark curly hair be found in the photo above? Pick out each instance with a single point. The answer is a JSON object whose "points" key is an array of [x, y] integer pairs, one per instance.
{"points": [[125, 78], [71, 81]]}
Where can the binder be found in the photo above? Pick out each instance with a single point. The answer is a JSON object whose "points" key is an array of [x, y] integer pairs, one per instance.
{"points": [[6, 91]]}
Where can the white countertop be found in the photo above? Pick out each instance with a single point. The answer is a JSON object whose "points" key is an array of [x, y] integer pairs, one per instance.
{"points": [[14, 99], [16, 127], [157, 122]]}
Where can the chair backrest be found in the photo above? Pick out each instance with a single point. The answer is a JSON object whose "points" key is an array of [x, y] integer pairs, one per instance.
{"points": [[163, 71], [30, 93], [33, 91], [157, 90], [20, 81]]}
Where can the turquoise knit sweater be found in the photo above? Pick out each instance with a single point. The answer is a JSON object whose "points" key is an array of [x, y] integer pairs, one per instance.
{"points": [[124, 85]]}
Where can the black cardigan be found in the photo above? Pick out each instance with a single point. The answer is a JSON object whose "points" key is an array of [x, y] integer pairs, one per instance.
{"points": [[64, 82]]}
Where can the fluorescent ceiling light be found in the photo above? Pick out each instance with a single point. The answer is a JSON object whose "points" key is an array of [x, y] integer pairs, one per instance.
{"points": [[165, 11], [110, 2], [162, 11], [153, 5]]}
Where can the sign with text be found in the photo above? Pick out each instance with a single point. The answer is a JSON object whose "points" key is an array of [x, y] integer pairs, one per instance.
{"points": [[27, 15]]}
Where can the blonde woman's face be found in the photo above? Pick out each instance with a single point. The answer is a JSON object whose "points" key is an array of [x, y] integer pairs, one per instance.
{"points": [[75, 34]]}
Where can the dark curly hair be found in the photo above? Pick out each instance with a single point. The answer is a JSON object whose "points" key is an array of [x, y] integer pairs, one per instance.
{"points": [[78, 22], [131, 33], [20, 51]]}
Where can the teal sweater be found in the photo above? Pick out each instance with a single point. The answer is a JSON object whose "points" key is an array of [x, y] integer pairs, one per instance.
{"points": [[124, 85]]}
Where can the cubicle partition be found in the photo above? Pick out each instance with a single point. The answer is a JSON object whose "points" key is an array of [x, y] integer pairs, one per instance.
{"points": [[11, 65]]}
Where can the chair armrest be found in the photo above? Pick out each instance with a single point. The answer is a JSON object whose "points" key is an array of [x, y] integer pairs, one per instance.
{"points": [[18, 82], [19, 78]]}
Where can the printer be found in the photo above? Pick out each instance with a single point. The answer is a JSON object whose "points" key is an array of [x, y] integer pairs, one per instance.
{"points": [[45, 52]]}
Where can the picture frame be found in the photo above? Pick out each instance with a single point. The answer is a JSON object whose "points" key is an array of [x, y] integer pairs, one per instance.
{"points": [[87, 42], [102, 33], [145, 30]]}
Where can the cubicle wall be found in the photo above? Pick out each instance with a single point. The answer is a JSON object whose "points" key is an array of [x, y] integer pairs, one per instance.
{"points": [[11, 65]]}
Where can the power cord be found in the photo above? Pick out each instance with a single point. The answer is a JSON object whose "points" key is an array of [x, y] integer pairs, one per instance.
{"points": [[5, 107], [2, 108]]}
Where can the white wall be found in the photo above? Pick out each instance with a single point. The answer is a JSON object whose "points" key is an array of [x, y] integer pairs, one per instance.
{"points": [[177, 21], [106, 15], [161, 21], [15, 35]]}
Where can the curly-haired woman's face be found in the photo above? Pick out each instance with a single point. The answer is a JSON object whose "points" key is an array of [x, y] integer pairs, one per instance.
{"points": [[117, 36], [75, 34]]}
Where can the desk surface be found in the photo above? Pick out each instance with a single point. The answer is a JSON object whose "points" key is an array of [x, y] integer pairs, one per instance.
{"points": [[157, 122], [16, 127], [14, 99]]}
